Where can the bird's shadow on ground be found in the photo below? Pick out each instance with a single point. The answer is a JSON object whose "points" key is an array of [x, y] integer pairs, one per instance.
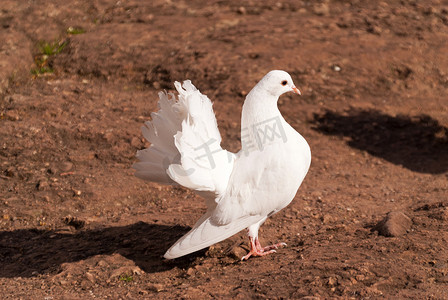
{"points": [[418, 143], [28, 252]]}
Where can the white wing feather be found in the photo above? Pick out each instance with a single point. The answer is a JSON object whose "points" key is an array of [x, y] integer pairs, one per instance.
{"points": [[206, 233]]}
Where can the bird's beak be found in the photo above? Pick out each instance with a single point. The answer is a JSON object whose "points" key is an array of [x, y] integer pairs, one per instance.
{"points": [[296, 90]]}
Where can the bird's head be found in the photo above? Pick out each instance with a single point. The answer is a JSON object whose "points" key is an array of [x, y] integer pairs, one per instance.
{"points": [[278, 82]]}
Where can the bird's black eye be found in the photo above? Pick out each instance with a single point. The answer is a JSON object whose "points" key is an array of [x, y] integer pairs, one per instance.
{"points": [[284, 82]]}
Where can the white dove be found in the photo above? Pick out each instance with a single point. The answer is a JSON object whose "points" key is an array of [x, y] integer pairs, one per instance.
{"points": [[242, 189]]}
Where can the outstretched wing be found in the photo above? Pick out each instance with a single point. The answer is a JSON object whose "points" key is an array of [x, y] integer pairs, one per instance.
{"points": [[185, 144]]}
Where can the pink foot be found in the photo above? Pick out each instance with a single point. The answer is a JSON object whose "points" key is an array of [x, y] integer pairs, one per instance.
{"points": [[257, 250]]}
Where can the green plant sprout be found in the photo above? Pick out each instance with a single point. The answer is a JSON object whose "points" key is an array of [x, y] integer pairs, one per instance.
{"points": [[75, 30], [46, 49], [126, 278]]}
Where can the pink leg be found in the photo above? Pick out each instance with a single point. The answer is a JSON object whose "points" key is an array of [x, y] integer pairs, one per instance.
{"points": [[257, 250]]}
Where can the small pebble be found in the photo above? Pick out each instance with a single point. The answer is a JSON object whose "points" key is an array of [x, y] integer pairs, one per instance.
{"points": [[155, 287], [396, 223], [237, 252], [66, 166]]}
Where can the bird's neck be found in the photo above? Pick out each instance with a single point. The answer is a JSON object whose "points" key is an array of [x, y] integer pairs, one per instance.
{"points": [[258, 107], [260, 115]]}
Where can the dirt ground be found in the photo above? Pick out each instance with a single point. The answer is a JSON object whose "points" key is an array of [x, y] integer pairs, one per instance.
{"points": [[78, 80]]}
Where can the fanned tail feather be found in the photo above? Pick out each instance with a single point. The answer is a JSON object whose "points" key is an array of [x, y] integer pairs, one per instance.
{"points": [[185, 143], [160, 131]]}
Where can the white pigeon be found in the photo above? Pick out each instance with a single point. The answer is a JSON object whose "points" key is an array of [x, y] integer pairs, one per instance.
{"points": [[241, 189]]}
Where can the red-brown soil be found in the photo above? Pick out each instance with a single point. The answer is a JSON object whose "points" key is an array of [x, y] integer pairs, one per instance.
{"points": [[76, 224]]}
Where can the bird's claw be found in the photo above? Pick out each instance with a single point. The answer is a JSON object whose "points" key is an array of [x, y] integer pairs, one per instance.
{"points": [[257, 250], [275, 246], [257, 253]]}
